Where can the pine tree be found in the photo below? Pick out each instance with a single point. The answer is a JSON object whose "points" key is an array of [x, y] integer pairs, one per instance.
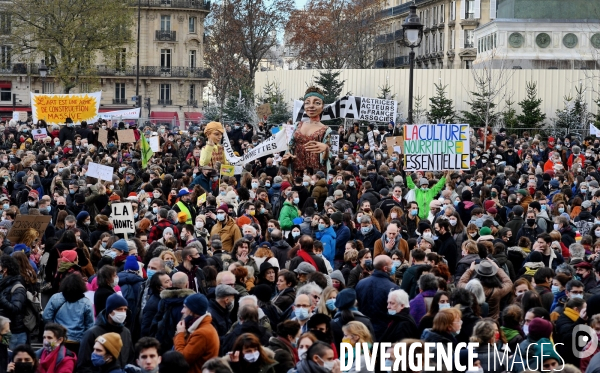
{"points": [[441, 107], [418, 109], [509, 116], [273, 96], [385, 92], [532, 116], [575, 116], [482, 113], [331, 86]]}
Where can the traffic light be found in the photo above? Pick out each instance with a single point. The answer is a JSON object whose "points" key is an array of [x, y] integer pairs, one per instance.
{"points": [[147, 105], [138, 101]]}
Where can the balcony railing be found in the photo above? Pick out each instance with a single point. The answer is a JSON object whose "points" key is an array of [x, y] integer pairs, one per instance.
{"points": [[399, 9], [122, 101], [469, 45], [104, 70], [385, 38], [165, 102], [187, 4], [193, 103], [398, 35], [163, 35], [401, 61]]}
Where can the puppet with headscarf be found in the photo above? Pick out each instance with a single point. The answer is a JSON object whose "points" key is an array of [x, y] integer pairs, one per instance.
{"points": [[213, 151]]}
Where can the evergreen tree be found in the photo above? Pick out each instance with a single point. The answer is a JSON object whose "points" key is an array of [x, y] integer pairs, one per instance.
{"points": [[329, 83], [418, 110], [509, 116], [441, 107], [273, 96], [385, 92], [575, 116], [532, 116], [482, 113]]}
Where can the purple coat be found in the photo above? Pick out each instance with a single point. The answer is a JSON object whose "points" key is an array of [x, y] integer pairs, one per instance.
{"points": [[418, 308]]}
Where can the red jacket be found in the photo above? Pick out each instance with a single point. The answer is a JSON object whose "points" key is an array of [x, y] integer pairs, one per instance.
{"points": [[60, 360]]}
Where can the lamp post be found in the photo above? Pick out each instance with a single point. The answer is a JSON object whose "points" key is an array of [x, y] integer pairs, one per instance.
{"points": [[43, 69], [412, 34]]}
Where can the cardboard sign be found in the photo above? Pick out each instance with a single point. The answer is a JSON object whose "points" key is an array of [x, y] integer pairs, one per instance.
{"points": [[125, 136], [335, 143], [39, 134], [263, 110], [436, 147], [100, 171], [122, 218], [227, 170], [371, 137], [154, 144], [103, 136], [24, 222], [22, 116], [394, 144]]}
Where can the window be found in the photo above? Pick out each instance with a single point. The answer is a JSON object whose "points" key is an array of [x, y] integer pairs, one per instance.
{"points": [[84, 87], [468, 64], [48, 87], [5, 94], [469, 34], [441, 41], [192, 25], [192, 58], [165, 58], [453, 11], [165, 23], [120, 91], [4, 23], [442, 10], [470, 9], [5, 54], [192, 92], [121, 59], [452, 37], [165, 93]]}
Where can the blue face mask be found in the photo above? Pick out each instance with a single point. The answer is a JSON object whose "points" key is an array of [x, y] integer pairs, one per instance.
{"points": [[351, 183], [112, 254], [5, 206], [254, 185], [305, 183], [555, 289], [544, 207], [295, 234], [150, 273], [97, 360], [103, 245], [322, 227], [393, 272], [368, 262], [365, 230], [267, 184], [392, 312], [414, 212], [444, 306], [135, 215], [301, 313], [155, 210], [330, 303], [71, 191], [296, 201], [220, 217], [561, 210]]}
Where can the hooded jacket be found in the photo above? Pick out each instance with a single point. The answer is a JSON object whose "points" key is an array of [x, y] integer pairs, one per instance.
{"points": [[198, 344], [424, 197], [168, 315], [132, 286], [228, 231], [327, 238]]}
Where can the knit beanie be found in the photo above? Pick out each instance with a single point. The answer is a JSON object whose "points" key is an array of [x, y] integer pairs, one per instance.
{"points": [[115, 301], [112, 343], [197, 303], [121, 245], [345, 299], [337, 275], [131, 264], [540, 328], [69, 255]]}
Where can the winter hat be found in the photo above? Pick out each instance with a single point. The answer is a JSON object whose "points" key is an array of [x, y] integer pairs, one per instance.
{"points": [[69, 255], [337, 275], [485, 231], [183, 192], [285, 185], [523, 192], [488, 204], [224, 207], [536, 257], [115, 301], [132, 196], [79, 198], [277, 179], [467, 195], [131, 264], [423, 181], [34, 193], [122, 245], [338, 193], [262, 292], [337, 217], [114, 197], [182, 217], [305, 268], [265, 266], [83, 215], [423, 224], [518, 210], [554, 183], [112, 343], [540, 328], [493, 210], [345, 299], [168, 230], [197, 303], [22, 247], [223, 291]]}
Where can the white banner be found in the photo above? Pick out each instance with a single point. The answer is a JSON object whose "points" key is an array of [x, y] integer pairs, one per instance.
{"points": [[56, 108], [120, 114], [274, 144], [371, 137], [353, 107], [594, 131]]}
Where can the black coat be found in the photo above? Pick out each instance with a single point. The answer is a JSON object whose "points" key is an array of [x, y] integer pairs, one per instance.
{"points": [[563, 330], [220, 317], [149, 312], [228, 340], [285, 299], [447, 247], [319, 261], [337, 323], [100, 297], [12, 303], [401, 326]]}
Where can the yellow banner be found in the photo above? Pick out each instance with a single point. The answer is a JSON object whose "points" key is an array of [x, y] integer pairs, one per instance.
{"points": [[55, 109], [227, 170], [201, 199]]}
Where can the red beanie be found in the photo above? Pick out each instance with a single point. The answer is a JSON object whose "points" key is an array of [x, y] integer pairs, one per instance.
{"points": [[285, 185], [69, 255]]}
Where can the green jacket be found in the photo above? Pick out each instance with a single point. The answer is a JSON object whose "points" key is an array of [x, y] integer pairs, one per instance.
{"points": [[424, 197], [288, 213]]}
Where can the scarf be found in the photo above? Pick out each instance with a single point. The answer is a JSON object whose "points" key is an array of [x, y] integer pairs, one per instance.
{"points": [[571, 314], [48, 360], [509, 333], [307, 258]]}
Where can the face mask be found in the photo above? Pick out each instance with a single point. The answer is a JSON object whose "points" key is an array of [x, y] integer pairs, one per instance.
{"points": [[5, 206], [330, 303], [365, 230], [254, 185], [295, 234], [49, 346], [155, 210], [112, 254], [453, 222], [220, 217], [169, 263], [414, 212], [328, 365], [302, 352], [230, 306], [368, 262], [97, 360], [305, 183], [392, 312], [580, 296], [119, 317], [322, 227], [263, 210], [456, 203], [583, 190], [473, 234], [32, 203], [561, 210], [393, 215], [252, 357], [183, 236], [556, 227], [555, 289], [531, 222], [267, 184], [301, 313], [296, 201], [444, 306], [427, 235]]}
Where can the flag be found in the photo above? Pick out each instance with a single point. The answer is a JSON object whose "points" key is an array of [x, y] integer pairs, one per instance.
{"points": [[227, 170], [147, 152], [201, 199]]}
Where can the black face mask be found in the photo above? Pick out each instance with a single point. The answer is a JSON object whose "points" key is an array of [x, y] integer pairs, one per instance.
{"points": [[197, 261], [325, 337], [24, 368], [531, 222]]}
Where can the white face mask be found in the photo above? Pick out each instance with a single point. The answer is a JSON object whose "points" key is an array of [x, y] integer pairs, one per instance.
{"points": [[453, 222], [252, 357], [328, 365], [199, 225], [119, 317], [302, 353], [115, 280]]}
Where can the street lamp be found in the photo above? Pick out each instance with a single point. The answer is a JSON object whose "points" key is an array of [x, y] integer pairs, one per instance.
{"points": [[412, 34], [43, 69]]}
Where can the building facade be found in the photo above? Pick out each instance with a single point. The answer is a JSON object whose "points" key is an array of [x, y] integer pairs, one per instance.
{"points": [[172, 71], [448, 33]]}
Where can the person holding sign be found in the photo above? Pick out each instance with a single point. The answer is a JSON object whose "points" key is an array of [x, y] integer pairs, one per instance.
{"points": [[424, 195], [213, 152], [310, 142]]}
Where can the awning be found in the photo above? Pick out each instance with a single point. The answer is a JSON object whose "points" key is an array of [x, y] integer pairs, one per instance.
{"points": [[164, 115], [6, 85], [193, 116]]}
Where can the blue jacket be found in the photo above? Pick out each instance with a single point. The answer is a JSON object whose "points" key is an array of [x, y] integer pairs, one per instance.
{"points": [[372, 294], [342, 233], [77, 317], [149, 312], [327, 238], [203, 181], [131, 285]]}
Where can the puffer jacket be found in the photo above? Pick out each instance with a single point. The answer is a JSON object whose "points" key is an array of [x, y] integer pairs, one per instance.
{"points": [[319, 192], [424, 198], [228, 231], [168, 315], [13, 303], [77, 316], [288, 213], [131, 287], [327, 238], [463, 264]]}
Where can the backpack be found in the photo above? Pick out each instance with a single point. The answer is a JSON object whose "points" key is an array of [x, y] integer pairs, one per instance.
{"points": [[31, 310], [584, 227], [21, 197], [276, 203]]}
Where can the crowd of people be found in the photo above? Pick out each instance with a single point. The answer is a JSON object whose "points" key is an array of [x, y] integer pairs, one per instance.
{"points": [[269, 271]]}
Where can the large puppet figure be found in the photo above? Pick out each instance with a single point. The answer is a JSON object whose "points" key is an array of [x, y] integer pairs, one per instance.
{"points": [[213, 151], [309, 145]]}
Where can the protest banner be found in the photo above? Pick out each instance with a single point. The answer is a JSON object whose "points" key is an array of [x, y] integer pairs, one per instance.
{"points": [[103, 136], [154, 144], [100, 171], [394, 144], [125, 136], [133, 113], [353, 107], [56, 108], [15, 116], [22, 116], [274, 144], [227, 170], [122, 218], [436, 147], [594, 131], [335, 143], [24, 222], [39, 134]]}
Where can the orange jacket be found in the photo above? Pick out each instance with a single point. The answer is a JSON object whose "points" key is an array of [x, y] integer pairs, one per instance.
{"points": [[199, 345]]}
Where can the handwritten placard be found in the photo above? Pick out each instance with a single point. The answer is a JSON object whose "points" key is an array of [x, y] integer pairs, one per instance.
{"points": [[100, 171], [436, 147], [24, 222], [154, 144], [122, 218], [394, 144], [371, 137], [335, 143], [103, 136], [126, 136]]}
